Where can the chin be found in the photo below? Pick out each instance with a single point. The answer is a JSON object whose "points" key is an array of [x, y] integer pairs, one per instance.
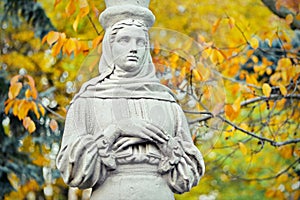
{"points": [[131, 67]]}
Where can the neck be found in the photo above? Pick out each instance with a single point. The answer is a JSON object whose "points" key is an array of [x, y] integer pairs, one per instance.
{"points": [[120, 73]]}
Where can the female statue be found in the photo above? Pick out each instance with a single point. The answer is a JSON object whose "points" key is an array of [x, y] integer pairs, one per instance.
{"points": [[125, 136]]}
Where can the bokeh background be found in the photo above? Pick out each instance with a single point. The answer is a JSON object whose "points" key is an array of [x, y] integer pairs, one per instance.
{"points": [[234, 66]]}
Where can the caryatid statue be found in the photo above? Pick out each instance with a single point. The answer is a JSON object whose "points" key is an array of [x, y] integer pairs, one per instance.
{"points": [[125, 135]]}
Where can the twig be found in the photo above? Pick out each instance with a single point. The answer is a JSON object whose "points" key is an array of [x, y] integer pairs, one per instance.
{"points": [[272, 142], [270, 177], [93, 24]]}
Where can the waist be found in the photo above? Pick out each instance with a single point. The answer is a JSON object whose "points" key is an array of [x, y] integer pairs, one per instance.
{"points": [[135, 168]]}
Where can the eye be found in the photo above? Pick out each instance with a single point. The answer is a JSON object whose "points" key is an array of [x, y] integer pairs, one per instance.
{"points": [[123, 40], [141, 42]]}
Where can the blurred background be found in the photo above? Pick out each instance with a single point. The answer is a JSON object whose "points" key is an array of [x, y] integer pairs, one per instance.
{"points": [[234, 66]]}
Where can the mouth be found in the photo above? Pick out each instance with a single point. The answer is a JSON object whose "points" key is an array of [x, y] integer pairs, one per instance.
{"points": [[132, 58]]}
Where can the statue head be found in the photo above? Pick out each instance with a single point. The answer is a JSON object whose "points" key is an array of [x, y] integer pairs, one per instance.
{"points": [[129, 44], [125, 44]]}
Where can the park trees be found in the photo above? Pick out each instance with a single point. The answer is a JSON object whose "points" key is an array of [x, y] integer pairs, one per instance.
{"points": [[251, 110]]}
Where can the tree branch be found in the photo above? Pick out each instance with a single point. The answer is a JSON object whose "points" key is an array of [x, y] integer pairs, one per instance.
{"points": [[282, 13], [270, 177], [264, 139]]}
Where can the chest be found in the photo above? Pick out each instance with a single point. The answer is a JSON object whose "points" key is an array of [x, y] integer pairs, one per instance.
{"points": [[160, 113]]}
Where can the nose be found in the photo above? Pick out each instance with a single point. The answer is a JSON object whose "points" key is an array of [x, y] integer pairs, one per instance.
{"points": [[134, 51], [133, 47]]}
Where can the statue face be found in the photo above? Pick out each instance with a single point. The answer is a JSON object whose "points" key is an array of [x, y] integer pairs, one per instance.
{"points": [[129, 48]]}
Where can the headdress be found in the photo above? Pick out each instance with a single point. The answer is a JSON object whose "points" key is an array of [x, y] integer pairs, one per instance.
{"points": [[117, 10]]}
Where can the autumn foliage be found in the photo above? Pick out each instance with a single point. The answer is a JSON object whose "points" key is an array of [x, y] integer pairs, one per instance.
{"points": [[234, 66]]}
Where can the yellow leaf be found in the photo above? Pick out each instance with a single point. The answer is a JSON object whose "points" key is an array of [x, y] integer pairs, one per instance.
{"points": [[196, 75], [282, 178], [243, 148], [282, 89], [254, 43], [289, 18], [14, 90], [183, 72], [42, 109], [231, 22], [75, 24], [266, 89], [237, 104], [31, 127], [52, 37], [28, 93], [217, 56], [216, 25], [53, 125]]}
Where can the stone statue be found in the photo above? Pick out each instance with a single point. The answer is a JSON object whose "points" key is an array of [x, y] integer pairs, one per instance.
{"points": [[125, 136]]}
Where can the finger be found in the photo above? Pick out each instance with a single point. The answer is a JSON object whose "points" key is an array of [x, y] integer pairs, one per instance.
{"points": [[131, 142], [153, 135], [121, 141], [159, 132]]}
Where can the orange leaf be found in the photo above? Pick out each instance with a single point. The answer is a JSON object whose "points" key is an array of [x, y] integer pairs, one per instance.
{"points": [[9, 103], [156, 49], [97, 41], [14, 90], [52, 37], [70, 46], [70, 8], [56, 3], [57, 47], [15, 79], [230, 112], [84, 8], [289, 19], [28, 93], [95, 10], [35, 109], [23, 108], [29, 124], [266, 89], [42, 109], [243, 148], [53, 125], [216, 25]]}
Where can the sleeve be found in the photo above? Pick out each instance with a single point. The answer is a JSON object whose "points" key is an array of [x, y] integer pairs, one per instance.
{"points": [[182, 163], [84, 156]]}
